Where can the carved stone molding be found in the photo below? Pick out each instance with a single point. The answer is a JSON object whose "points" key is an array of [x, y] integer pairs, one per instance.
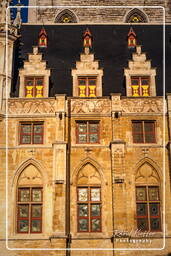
{"points": [[31, 106], [90, 106], [142, 105]]}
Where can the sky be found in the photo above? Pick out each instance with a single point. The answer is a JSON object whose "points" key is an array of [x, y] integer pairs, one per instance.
{"points": [[24, 11]]}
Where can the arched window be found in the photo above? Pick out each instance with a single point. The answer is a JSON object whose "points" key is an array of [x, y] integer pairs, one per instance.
{"points": [[66, 16], [89, 200], [29, 201], [136, 16], [148, 199]]}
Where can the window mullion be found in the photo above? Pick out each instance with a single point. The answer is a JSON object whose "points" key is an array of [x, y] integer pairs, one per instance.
{"points": [[143, 132], [148, 209]]}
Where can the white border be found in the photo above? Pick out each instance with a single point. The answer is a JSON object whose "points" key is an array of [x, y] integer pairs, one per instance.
{"points": [[164, 118]]}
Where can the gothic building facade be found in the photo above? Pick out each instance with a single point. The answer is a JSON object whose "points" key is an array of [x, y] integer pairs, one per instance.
{"points": [[85, 130]]}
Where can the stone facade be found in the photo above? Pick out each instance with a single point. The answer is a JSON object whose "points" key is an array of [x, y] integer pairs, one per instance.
{"points": [[98, 15], [60, 165]]}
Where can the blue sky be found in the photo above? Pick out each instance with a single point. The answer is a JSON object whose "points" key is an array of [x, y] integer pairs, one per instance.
{"points": [[24, 11]]}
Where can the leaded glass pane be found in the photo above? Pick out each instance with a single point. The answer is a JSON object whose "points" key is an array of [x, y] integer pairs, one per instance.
{"points": [[82, 128], [36, 195], [36, 226], [93, 138], [82, 138], [24, 195], [95, 194], [23, 211], [83, 225], [95, 225], [83, 210], [23, 226], [37, 139], [145, 81], [29, 81], [142, 224], [38, 128], [149, 138], [82, 82], [137, 127], [141, 193], [135, 81], [153, 193], [26, 128], [155, 224], [36, 211], [39, 81], [154, 209], [92, 81], [138, 138], [141, 209], [149, 132], [93, 128], [26, 139], [82, 194], [95, 210]]}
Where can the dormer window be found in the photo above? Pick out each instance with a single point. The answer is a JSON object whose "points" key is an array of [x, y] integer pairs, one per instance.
{"points": [[34, 87], [87, 86], [140, 86]]}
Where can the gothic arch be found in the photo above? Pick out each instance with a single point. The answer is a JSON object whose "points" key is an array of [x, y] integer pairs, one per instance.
{"points": [[81, 173], [136, 16], [66, 16], [24, 165], [147, 171]]}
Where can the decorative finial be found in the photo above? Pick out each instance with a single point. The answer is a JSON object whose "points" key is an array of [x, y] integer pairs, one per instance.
{"points": [[35, 50], [138, 49], [132, 41], [43, 40], [18, 20], [87, 41]]}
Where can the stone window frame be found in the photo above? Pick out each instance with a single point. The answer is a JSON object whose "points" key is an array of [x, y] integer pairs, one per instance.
{"points": [[29, 205], [148, 216], [89, 203], [32, 124], [143, 133], [88, 122]]}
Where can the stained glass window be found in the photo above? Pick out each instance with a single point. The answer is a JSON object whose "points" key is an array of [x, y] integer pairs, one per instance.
{"points": [[34, 87], [31, 133], [29, 205], [143, 131], [87, 86], [148, 208], [87, 132], [89, 212], [140, 86]]}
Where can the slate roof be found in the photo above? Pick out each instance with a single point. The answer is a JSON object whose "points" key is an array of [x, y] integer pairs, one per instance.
{"points": [[109, 45]]}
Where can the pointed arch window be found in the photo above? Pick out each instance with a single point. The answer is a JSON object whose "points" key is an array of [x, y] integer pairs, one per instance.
{"points": [[148, 200], [89, 200], [66, 16], [136, 16], [29, 203]]}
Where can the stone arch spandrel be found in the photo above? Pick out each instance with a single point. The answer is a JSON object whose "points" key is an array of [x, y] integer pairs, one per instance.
{"points": [[147, 172], [33, 166], [88, 174], [88, 171], [30, 175]]}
